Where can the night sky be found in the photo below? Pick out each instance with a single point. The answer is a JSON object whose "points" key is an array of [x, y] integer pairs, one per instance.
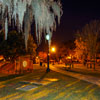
{"points": [[75, 15]]}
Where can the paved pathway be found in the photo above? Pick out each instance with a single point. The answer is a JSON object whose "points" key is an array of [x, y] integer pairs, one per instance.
{"points": [[87, 78]]}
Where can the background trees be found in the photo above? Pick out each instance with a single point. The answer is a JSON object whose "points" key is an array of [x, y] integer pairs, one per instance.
{"points": [[31, 47], [14, 46], [87, 41], [65, 49]]}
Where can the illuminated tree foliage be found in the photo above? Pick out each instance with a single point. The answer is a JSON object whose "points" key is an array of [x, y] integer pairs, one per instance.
{"points": [[43, 12], [31, 48], [87, 40], [80, 47]]}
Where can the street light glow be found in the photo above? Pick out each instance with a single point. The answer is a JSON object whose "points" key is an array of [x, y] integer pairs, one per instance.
{"points": [[53, 49], [69, 57]]}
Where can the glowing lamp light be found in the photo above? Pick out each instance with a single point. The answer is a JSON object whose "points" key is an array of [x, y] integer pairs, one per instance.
{"points": [[47, 37], [24, 63], [53, 49], [37, 57], [68, 57]]}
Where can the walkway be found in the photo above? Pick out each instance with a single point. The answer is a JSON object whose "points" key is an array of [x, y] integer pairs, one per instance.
{"points": [[87, 78]]}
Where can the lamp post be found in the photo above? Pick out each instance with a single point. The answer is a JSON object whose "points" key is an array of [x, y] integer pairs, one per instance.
{"points": [[48, 53]]}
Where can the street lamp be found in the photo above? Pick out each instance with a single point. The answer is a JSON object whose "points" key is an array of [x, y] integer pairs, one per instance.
{"points": [[53, 49], [48, 54]]}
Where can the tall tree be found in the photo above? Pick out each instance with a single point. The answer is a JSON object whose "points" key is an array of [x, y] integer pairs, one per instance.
{"points": [[14, 46], [86, 40], [80, 49], [31, 46], [45, 13]]}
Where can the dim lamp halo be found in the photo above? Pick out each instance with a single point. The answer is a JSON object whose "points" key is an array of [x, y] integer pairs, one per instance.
{"points": [[48, 37]]}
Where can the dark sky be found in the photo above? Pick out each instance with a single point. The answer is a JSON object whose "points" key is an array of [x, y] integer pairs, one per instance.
{"points": [[75, 15]]}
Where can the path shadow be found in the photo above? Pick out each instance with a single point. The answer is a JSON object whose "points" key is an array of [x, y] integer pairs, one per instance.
{"points": [[4, 78], [42, 77]]}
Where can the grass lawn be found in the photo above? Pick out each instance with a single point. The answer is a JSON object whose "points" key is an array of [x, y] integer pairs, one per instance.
{"points": [[66, 88]]}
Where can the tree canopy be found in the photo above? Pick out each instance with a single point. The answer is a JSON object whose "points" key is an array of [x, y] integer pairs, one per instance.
{"points": [[14, 46], [86, 40], [45, 13]]}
